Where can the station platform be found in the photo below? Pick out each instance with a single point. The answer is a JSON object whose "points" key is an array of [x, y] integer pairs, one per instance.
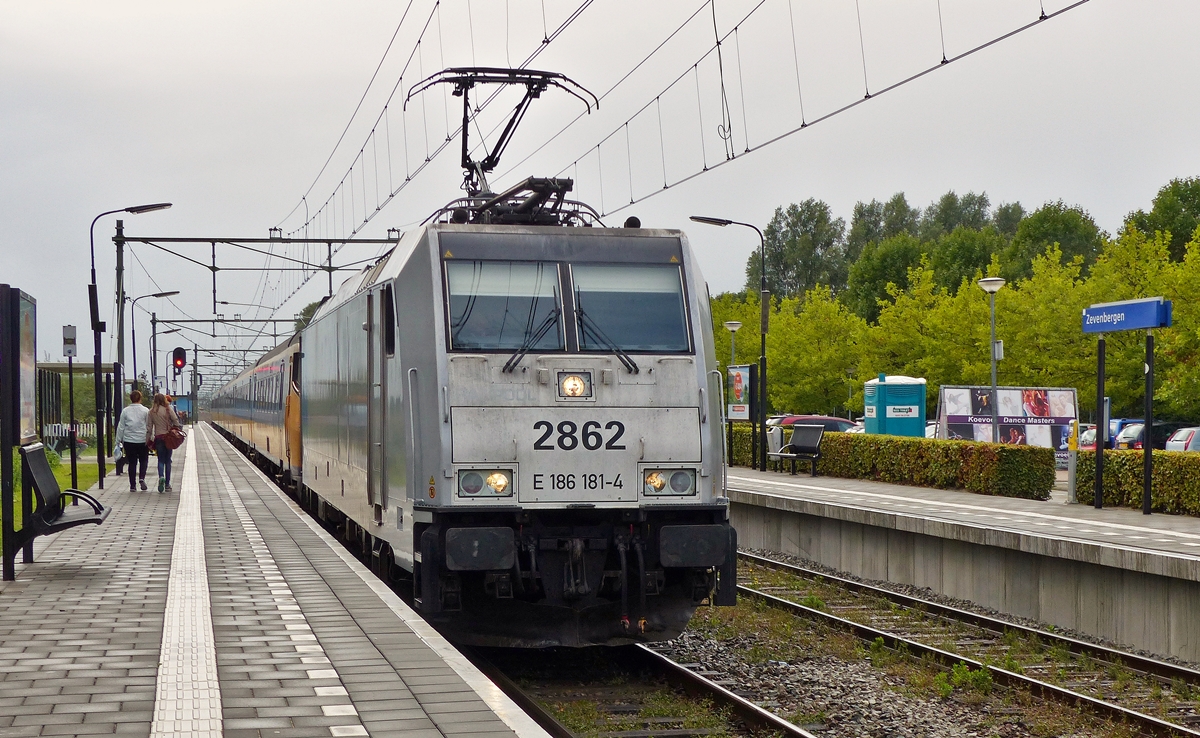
{"points": [[1113, 573], [221, 609]]}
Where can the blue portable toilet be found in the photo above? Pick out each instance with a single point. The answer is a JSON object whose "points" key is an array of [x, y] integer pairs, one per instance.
{"points": [[895, 406]]}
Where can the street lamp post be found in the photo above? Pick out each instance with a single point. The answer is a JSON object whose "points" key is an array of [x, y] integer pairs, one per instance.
{"points": [[765, 302], [133, 328], [98, 326], [732, 326], [992, 285]]}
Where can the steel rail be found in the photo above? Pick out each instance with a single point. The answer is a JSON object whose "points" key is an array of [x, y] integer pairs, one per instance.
{"points": [[1152, 666], [672, 671], [698, 685], [1146, 723], [532, 707]]}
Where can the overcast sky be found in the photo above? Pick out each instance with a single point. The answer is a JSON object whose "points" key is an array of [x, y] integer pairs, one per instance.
{"points": [[230, 109]]}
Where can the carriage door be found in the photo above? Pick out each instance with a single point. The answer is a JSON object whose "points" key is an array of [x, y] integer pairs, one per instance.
{"points": [[376, 374]]}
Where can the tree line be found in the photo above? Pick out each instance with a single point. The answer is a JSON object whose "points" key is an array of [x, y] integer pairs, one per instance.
{"points": [[895, 293]]}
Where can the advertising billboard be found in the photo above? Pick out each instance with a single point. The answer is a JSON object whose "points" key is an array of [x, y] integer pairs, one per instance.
{"points": [[1027, 416], [739, 390], [18, 355], [27, 380]]}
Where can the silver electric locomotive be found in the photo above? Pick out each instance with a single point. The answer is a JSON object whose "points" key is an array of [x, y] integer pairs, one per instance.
{"points": [[518, 409]]}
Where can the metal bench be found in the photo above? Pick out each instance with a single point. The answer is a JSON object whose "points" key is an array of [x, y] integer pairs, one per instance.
{"points": [[51, 515], [804, 444]]}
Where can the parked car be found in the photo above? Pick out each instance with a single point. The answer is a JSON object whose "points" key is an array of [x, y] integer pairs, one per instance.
{"points": [[1132, 435], [859, 427], [1184, 439], [1087, 439], [1115, 426], [835, 425]]}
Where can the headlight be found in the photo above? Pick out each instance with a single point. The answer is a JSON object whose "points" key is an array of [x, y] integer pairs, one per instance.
{"points": [[678, 482], [574, 384], [485, 483]]}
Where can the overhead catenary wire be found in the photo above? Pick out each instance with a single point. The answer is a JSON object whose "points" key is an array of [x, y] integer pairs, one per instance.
{"points": [[430, 154], [354, 114], [615, 85], [826, 116]]}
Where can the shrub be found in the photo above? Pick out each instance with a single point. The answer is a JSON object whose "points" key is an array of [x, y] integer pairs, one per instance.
{"points": [[983, 468], [1174, 483]]}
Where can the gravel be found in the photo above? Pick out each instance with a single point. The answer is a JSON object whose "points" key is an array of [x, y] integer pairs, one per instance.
{"points": [[851, 698]]}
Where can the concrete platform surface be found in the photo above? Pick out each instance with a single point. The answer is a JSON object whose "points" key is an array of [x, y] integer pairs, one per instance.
{"points": [[1160, 544], [221, 609]]}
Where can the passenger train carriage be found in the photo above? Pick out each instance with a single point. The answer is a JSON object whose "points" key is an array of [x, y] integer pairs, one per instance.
{"points": [[525, 418]]}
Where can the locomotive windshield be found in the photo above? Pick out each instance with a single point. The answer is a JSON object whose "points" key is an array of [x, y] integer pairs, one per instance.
{"points": [[630, 307], [498, 305]]}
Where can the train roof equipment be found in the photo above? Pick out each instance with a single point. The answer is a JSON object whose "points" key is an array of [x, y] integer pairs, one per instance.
{"points": [[535, 201]]}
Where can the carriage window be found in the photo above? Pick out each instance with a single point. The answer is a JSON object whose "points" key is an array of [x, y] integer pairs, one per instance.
{"points": [[502, 305], [633, 308]]}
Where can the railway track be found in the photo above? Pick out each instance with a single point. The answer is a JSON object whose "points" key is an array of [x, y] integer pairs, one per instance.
{"points": [[629, 692], [633, 692], [1156, 697]]}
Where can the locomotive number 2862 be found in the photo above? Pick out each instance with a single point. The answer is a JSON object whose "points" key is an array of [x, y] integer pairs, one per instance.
{"points": [[571, 436]]}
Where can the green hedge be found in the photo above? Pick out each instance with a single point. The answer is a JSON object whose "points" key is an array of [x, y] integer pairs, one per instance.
{"points": [[1174, 485], [983, 468]]}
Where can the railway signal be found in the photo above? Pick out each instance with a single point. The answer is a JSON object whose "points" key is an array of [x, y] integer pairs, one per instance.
{"points": [[178, 358]]}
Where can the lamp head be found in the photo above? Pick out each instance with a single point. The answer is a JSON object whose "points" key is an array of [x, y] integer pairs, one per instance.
{"points": [[711, 221], [991, 285], [139, 209], [170, 293], [733, 325]]}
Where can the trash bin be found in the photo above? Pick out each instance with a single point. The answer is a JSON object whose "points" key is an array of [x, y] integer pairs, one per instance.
{"points": [[895, 406]]}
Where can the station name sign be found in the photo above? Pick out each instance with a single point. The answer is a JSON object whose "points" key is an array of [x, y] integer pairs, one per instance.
{"points": [[1128, 315]]}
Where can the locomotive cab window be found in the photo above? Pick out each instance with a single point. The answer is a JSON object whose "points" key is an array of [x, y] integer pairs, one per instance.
{"points": [[504, 306], [630, 307]]}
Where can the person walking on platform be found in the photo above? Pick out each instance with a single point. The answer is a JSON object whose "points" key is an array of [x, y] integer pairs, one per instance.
{"points": [[161, 420], [131, 434]]}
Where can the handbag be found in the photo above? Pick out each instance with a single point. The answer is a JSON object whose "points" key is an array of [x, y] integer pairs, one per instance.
{"points": [[173, 438]]}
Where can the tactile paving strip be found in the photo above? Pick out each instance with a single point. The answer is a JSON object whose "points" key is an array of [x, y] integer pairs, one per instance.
{"points": [[300, 632], [187, 699]]}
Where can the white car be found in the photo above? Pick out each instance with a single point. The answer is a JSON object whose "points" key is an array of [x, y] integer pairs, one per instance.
{"points": [[1184, 439]]}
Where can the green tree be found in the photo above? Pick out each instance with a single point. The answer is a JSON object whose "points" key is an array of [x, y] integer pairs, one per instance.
{"points": [[812, 353], [1175, 210], [1054, 223], [962, 253], [875, 221], [305, 316], [1133, 266], [744, 309], [951, 211], [1007, 217], [881, 264], [1038, 320], [804, 248], [1178, 379]]}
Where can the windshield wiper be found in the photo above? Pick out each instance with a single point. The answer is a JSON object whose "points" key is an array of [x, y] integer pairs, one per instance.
{"points": [[531, 340], [589, 326]]}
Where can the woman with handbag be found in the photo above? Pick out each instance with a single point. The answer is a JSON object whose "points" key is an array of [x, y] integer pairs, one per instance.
{"points": [[162, 425]]}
